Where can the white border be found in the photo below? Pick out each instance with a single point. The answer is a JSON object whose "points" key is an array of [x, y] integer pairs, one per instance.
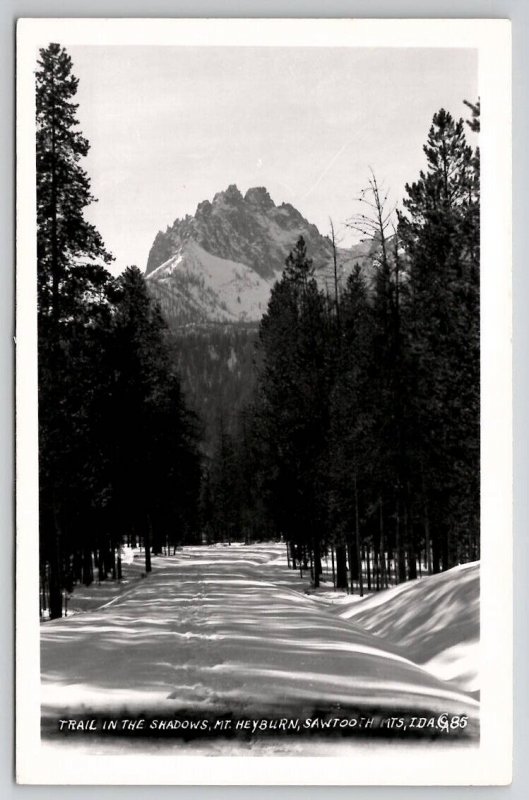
{"points": [[491, 762]]}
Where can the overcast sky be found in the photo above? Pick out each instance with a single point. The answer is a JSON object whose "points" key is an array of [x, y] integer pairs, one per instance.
{"points": [[170, 127]]}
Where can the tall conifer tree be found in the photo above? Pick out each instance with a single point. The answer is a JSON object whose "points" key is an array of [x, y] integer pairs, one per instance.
{"points": [[294, 389], [72, 285], [440, 231]]}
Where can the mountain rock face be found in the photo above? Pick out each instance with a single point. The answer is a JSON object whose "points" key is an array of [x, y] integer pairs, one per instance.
{"points": [[220, 265], [249, 230]]}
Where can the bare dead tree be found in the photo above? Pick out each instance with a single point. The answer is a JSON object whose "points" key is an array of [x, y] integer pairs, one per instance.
{"points": [[335, 272], [376, 221], [378, 217]]}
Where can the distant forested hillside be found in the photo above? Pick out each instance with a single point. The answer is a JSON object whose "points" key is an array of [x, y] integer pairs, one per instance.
{"points": [[217, 368]]}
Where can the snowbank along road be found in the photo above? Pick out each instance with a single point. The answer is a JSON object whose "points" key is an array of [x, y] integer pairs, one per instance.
{"points": [[221, 628]]}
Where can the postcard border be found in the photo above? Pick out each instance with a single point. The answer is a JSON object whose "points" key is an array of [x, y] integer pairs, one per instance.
{"points": [[491, 764]]}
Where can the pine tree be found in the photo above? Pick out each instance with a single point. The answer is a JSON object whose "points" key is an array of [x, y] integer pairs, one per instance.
{"points": [[293, 404], [72, 297], [389, 473], [156, 467], [440, 231], [65, 240], [139, 356], [351, 444]]}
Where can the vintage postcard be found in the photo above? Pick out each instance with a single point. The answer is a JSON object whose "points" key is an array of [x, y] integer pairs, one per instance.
{"points": [[263, 402]]}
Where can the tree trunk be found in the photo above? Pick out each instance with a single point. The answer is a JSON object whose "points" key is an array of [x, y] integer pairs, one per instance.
{"points": [[401, 563], [147, 544], [357, 541], [354, 564], [412, 555], [55, 572], [376, 563], [316, 563], [383, 567], [445, 552], [436, 556], [341, 568], [78, 566], [42, 593], [55, 593], [350, 558], [426, 527], [101, 570], [412, 563], [88, 570], [427, 541]]}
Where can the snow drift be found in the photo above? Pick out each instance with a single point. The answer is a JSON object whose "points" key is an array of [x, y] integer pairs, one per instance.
{"points": [[435, 620]]}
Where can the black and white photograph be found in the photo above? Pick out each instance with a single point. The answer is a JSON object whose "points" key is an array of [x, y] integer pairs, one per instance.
{"points": [[262, 362]]}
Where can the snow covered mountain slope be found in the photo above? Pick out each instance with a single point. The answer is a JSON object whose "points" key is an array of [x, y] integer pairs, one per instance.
{"points": [[196, 286], [435, 620], [220, 264], [222, 628]]}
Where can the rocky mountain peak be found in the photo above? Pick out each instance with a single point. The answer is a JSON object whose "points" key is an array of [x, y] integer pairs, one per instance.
{"points": [[250, 230], [258, 196], [220, 264], [203, 209], [231, 196]]}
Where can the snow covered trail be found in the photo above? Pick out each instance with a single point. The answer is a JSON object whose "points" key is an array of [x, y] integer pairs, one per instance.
{"points": [[227, 627]]}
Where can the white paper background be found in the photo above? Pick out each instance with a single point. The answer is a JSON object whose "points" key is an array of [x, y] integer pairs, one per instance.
{"points": [[491, 763]]}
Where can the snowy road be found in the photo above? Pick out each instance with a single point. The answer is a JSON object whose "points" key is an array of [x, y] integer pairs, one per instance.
{"points": [[223, 628]]}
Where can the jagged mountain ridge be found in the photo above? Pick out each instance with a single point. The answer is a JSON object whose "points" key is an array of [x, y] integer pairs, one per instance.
{"points": [[249, 230], [220, 265]]}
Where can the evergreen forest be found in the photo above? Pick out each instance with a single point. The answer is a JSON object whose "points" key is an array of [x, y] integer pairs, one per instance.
{"points": [[355, 432]]}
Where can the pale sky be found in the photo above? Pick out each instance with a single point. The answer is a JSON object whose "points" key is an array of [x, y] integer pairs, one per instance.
{"points": [[171, 126]]}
